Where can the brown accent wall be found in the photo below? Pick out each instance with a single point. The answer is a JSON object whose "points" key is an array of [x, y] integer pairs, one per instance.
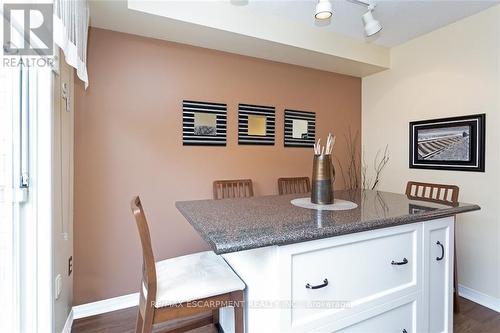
{"points": [[128, 141]]}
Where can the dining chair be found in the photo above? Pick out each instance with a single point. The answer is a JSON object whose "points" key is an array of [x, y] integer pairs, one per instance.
{"points": [[293, 185], [438, 193], [442, 194], [237, 188], [184, 286]]}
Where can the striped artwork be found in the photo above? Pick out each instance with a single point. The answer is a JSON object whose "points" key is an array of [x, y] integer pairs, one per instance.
{"points": [[204, 124], [256, 124], [294, 121]]}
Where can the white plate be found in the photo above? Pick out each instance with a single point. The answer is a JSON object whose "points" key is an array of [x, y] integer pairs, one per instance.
{"points": [[338, 204]]}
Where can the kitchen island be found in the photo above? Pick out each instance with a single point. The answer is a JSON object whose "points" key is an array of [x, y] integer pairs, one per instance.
{"points": [[386, 265]]}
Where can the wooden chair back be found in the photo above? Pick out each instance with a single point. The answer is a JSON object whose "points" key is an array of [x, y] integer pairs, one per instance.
{"points": [[148, 260], [294, 185], [438, 193], [237, 188]]}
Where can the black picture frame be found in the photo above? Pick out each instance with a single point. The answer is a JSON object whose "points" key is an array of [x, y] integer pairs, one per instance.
{"points": [[190, 136], [247, 110], [454, 143], [309, 139]]}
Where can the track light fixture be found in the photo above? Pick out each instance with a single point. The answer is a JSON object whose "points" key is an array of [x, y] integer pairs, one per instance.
{"points": [[324, 10], [372, 26]]}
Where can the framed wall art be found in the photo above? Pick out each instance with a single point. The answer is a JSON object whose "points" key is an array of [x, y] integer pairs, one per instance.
{"points": [[204, 123], [300, 128], [456, 143], [256, 124]]}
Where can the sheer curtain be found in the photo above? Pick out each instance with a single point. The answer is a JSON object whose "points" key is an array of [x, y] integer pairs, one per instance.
{"points": [[71, 24]]}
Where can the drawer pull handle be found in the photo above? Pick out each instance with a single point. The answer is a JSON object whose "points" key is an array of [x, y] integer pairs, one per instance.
{"points": [[404, 262], [325, 283], [442, 251]]}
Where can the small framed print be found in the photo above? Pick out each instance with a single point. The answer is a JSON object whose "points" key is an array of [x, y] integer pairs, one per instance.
{"points": [[256, 124], [300, 128], [456, 143], [204, 123]]}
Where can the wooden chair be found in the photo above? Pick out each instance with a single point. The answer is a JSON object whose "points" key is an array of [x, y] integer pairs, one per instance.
{"points": [[294, 185], [442, 194], [438, 193], [184, 286], [237, 188]]}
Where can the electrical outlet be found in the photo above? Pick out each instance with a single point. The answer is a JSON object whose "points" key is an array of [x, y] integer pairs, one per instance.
{"points": [[70, 265]]}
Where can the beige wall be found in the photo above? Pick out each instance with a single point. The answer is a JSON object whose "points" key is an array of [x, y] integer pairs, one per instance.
{"points": [[449, 72], [128, 141]]}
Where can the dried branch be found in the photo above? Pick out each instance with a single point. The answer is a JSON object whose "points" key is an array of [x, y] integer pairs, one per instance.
{"points": [[349, 173], [364, 174], [379, 165]]}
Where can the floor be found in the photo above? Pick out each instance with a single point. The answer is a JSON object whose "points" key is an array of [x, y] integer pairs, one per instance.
{"points": [[123, 321], [473, 318]]}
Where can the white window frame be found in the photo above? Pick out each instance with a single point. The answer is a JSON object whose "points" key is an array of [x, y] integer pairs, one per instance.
{"points": [[33, 296]]}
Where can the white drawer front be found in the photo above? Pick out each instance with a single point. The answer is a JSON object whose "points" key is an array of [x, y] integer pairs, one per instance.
{"points": [[359, 273], [398, 320]]}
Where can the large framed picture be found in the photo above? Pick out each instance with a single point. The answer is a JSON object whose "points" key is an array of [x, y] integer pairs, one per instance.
{"points": [[456, 143]]}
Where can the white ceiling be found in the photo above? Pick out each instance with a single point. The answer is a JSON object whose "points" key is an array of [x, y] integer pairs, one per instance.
{"points": [[402, 20], [285, 31]]}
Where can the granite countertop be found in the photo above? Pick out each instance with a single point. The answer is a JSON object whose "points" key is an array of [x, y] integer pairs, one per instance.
{"points": [[231, 225]]}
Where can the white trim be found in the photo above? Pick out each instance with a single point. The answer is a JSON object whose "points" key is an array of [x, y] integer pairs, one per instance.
{"points": [[479, 298], [44, 215], [106, 305], [69, 323]]}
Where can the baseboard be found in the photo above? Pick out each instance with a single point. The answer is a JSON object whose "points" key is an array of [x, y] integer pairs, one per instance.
{"points": [[106, 305], [479, 298], [127, 301], [69, 323]]}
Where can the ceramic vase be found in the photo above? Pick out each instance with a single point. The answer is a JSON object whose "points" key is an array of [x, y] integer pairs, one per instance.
{"points": [[323, 177]]}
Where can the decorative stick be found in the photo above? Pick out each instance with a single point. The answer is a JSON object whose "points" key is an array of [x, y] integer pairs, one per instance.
{"points": [[328, 141]]}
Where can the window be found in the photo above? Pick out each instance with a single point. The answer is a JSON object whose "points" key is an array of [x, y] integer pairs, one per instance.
{"points": [[25, 224], [9, 101]]}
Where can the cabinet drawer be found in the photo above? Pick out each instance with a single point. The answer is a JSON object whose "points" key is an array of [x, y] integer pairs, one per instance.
{"points": [[398, 320], [353, 275]]}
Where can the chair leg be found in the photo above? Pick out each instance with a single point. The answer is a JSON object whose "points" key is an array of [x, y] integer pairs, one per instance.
{"points": [[215, 316], [239, 322], [139, 322], [147, 325]]}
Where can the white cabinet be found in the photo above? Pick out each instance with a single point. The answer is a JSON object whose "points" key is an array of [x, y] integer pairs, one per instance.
{"points": [[438, 275], [384, 280], [401, 318], [361, 271]]}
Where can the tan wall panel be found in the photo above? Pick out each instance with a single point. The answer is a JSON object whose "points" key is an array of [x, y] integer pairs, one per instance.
{"points": [[128, 141]]}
